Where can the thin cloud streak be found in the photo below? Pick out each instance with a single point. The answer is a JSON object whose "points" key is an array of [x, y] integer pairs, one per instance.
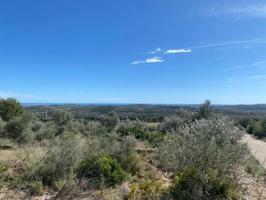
{"points": [[177, 51], [148, 60], [228, 43], [238, 11], [257, 64], [157, 59], [237, 67], [158, 50], [257, 77]]}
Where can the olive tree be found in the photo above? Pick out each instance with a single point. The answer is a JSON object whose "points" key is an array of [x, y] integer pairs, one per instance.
{"points": [[214, 143], [206, 151], [205, 110], [10, 108]]}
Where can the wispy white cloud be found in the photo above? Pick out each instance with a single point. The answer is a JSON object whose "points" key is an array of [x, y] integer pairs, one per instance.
{"points": [[245, 44], [157, 50], [237, 67], [261, 63], [256, 64], [238, 11], [177, 51], [155, 59], [257, 77], [230, 43]]}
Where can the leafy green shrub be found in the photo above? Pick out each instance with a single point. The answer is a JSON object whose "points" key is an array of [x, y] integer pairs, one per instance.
{"points": [[191, 184], [207, 153], [174, 122], [126, 154], [2, 167], [204, 111], [146, 189], [94, 129], [110, 121], [2, 127], [171, 123], [19, 129], [36, 188], [103, 171], [61, 159], [135, 128], [140, 131], [153, 137], [46, 131], [252, 166], [205, 144], [10, 108]]}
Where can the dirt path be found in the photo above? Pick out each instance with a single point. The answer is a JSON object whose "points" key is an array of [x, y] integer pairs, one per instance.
{"points": [[257, 147]]}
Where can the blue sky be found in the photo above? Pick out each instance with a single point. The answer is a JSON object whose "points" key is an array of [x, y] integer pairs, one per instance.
{"points": [[133, 51]]}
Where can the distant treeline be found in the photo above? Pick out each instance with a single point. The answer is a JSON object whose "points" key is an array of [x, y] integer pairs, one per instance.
{"points": [[146, 112]]}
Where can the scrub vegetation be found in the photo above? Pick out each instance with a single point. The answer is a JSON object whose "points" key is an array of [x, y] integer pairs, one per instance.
{"points": [[194, 153]]}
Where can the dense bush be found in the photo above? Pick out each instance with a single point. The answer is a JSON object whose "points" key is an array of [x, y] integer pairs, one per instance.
{"points": [[46, 131], [208, 146], [110, 121], [147, 189], [127, 156], [257, 127], [92, 128], [2, 127], [136, 128], [193, 185], [171, 123], [140, 131], [204, 111], [36, 188], [252, 166], [10, 108], [19, 129], [61, 159], [122, 149], [203, 144], [103, 171]]}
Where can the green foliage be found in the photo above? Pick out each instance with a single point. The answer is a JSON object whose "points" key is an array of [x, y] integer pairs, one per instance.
{"points": [[204, 111], [2, 127], [252, 166], [93, 128], [46, 131], [140, 131], [110, 121], [257, 127], [19, 129], [128, 127], [61, 159], [103, 171], [205, 144], [191, 184], [36, 188], [65, 122], [10, 108], [146, 189], [126, 154], [3, 167], [174, 122], [206, 155]]}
